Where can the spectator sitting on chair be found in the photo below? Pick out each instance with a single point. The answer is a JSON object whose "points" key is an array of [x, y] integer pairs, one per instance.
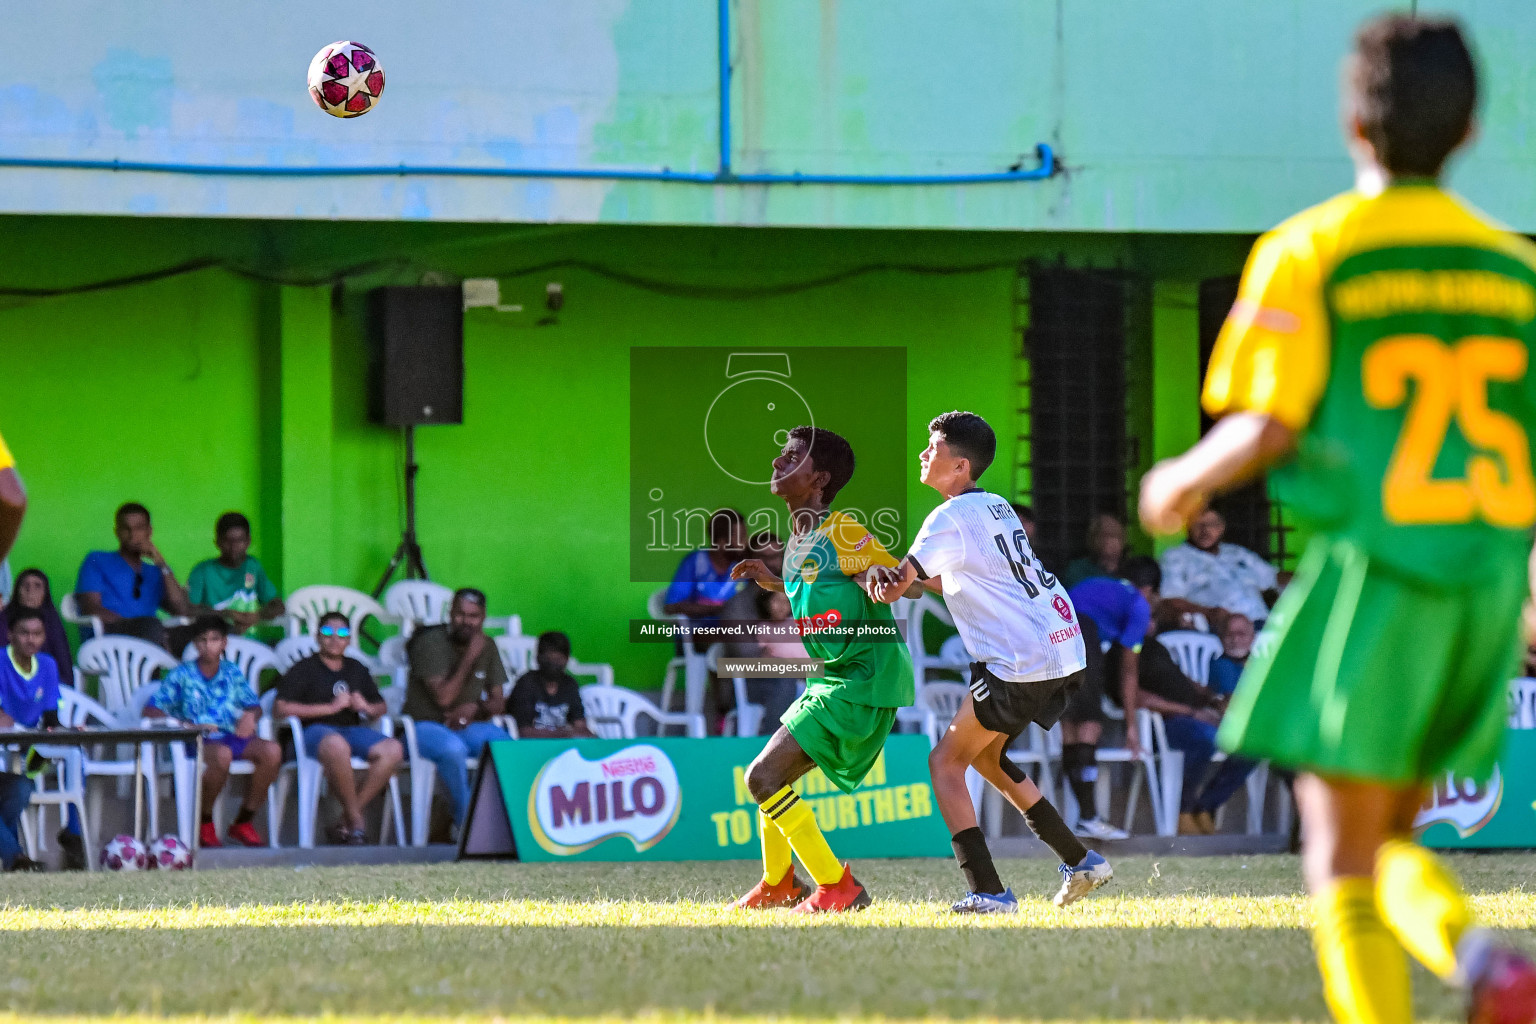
{"points": [[213, 692], [334, 696], [1207, 577], [455, 686], [776, 694], [233, 585], [33, 593], [702, 584], [29, 697], [124, 588], [1236, 645], [546, 703], [1106, 551], [742, 606]]}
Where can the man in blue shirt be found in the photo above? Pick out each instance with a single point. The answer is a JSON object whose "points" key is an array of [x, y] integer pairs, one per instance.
{"points": [[214, 692], [126, 587], [702, 583], [29, 696]]}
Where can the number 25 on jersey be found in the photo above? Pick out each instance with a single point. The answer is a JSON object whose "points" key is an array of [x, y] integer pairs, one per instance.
{"points": [[1451, 382]]}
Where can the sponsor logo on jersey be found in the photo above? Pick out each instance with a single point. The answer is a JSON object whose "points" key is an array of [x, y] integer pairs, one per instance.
{"points": [[809, 570], [574, 804], [1063, 607], [1461, 803], [817, 623], [250, 580], [863, 542]]}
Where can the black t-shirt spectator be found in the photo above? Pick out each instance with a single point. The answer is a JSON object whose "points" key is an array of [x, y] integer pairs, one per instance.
{"points": [[312, 681], [532, 706]]}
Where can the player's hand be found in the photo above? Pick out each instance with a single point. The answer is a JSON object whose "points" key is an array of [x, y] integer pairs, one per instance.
{"points": [[1168, 504], [752, 569], [1132, 736], [887, 583]]}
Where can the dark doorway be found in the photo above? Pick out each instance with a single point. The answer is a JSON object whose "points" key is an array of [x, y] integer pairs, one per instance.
{"points": [[1075, 345]]}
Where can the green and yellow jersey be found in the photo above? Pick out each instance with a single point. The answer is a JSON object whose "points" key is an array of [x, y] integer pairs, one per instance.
{"points": [[819, 571], [1393, 333], [7, 461]]}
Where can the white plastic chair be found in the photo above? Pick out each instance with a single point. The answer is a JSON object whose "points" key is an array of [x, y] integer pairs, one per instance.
{"points": [[76, 709], [1161, 768], [60, 785], [613, 713], [311, 781], [183, 766], [939, 701], [251, 657], [518, 653], [924, 661], [1193, 652], [122, 665], [746, 717], [692, 662], [417, 603], [69, 611], [307, 604]]}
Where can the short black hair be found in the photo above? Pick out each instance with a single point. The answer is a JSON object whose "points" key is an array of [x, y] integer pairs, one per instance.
{"points": [[471, 594], [24, 614], [334, 616], [1413, 87], [725, 519], [128, 508], [830, 453], [209, 624], [232, 521], [1024, 512], [1143, 571], [969, 436], [555, 642]]}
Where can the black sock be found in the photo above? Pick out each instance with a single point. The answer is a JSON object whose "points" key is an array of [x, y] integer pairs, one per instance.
{"points": [[1082, 771], [245, 815], [1045, 822], [208, 818], [976, 861]]}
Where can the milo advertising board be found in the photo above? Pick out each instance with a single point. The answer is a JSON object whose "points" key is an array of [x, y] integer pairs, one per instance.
{"points": [[1499, 813], [683, 799]]}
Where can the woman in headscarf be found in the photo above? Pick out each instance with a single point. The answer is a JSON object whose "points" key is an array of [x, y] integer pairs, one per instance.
{"points": [[32, 590]]}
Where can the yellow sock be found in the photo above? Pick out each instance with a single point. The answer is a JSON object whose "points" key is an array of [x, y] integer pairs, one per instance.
{"points": [[1422, 904], [1365, 974], [797, 821], [776, 856]]}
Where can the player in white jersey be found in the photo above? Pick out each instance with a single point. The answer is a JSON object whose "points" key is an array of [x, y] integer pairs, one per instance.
{"points": [[1026, 651]]}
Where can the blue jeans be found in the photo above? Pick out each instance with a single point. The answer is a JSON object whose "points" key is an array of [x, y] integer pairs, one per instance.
{"points": [[360, 738], [448, 749], [1197, 741], [15, 792]]}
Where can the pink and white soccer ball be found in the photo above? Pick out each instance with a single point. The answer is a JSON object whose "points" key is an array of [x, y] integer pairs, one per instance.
{"points": [[170, 854], [346, 79], [124, 853]]}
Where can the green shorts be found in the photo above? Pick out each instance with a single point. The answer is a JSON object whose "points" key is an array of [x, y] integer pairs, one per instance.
{"points": [[842, 737], [1368, 674]]}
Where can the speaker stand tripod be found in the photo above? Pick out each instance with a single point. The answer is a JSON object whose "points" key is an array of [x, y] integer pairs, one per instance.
{"points": [[409, 551]]}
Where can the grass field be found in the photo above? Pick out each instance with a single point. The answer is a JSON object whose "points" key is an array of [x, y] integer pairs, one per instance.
{"points": [[1177, 939]]}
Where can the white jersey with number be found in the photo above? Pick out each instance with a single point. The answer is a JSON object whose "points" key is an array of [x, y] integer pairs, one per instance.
{"points": [[1011, 613]]}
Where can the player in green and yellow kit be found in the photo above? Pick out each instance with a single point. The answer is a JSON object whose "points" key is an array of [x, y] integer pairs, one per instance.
{"points": [[841, 721], [1380, 348], [13, 500]]}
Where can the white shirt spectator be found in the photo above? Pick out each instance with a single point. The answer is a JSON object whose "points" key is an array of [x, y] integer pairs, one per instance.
{"points": [[1230, 577]]}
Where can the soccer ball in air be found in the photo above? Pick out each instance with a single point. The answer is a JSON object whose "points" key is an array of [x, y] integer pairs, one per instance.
{"points": [[170, 854], [124, 853], [346, 79]]}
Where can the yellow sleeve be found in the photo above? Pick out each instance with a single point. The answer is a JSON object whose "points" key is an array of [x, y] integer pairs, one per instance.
{"points": [[857, 548], [6, 459], [1272, 353]]}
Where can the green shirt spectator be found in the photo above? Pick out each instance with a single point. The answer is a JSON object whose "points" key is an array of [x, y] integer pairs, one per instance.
{"points": [[233, 586], [436, 654]]}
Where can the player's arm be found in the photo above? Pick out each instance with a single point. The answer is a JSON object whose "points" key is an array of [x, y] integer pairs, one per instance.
{"points": [[1267, 374], [13, 506], [753, 569]]}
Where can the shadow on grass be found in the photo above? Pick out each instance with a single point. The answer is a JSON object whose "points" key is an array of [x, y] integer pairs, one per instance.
{"points": [[904, 972]]}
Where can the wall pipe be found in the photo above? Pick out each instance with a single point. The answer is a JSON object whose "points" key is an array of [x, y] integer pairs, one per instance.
{"points": [[723, 176]]}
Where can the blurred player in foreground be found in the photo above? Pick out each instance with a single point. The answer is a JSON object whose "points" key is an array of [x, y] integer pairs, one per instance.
{"points": [[1022, 632], [1380, 348], [839, 724], [13, 500]]}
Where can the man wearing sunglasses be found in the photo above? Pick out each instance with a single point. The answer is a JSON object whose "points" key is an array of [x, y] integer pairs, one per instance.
{"points": [[126, 587], [336, 699], [457, 684]]}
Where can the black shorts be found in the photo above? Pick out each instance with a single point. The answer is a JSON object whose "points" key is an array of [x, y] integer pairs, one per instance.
{"points": [[1008, 708]]}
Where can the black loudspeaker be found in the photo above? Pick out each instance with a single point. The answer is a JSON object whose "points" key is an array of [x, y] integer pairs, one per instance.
{"points": [[416, 366]]}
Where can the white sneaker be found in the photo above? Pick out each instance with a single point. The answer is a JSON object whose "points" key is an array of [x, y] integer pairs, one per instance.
{"points": [[1096, 828], [1079, 881]]}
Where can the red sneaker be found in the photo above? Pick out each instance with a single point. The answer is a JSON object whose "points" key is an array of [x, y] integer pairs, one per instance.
{"points": [[244, 834], [1505, 991], [786, 892], [208, 836], [844, 894]]}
